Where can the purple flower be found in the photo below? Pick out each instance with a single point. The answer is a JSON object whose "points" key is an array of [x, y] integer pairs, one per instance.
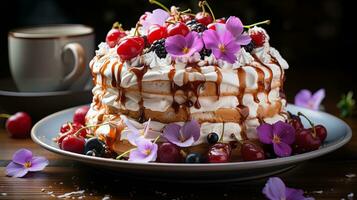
{"points": [[158, 17], [183, 136], [275, 189], [308, 100], [146, 151], [235, 26], [184, 46], [280, 134], [23, 162], [134, 132]]}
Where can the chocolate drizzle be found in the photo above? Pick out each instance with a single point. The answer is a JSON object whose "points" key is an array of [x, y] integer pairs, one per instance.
{"points": [[139, 73], [260, 83], [218, 82], [242, 84], [121, 91]]}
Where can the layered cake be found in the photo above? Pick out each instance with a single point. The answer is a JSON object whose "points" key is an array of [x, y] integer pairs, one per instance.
{"points": [[173, 68]]}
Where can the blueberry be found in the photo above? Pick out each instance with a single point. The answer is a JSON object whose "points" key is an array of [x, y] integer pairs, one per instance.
{"points": [[194, 158], [212, 138], [91, 153], [94, 144]]}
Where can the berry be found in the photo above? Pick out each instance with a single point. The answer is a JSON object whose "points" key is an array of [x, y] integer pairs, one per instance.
{"points": [[193, 158], [221, 20], [305, 141], [186, 18], [156, 32], [191, 22], [130, 47], [198, 27], [219, 153], [204, 18], [159, 48], [113, 36], [251, 152], [80, 115], [168, 153], [72, 128], [321, 132], [73, 143], [295, 121], [249, 47], [205, 52], [94, 144], [258, 37], [178, 28], [19, 125], [91, 153], [212, 138]]}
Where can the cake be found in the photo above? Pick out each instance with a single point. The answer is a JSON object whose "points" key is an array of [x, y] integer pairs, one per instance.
{"points": [[229, 90]]}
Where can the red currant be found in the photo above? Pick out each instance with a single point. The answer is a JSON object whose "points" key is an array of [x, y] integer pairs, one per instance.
{"points": [[130, 47], [204, 18], [80, 115], [321, 132], [251, 152], [219, 153], [113, 37], [73, 143], [19, 125], [156, 32], [168, 153], [258, 38], [178, 28]]}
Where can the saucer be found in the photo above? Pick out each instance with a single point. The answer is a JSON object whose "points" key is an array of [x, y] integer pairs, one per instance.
{"points": [[38, 104]]}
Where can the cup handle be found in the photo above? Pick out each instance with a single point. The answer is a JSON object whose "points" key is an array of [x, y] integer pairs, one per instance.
{"points": [[79, 64]]}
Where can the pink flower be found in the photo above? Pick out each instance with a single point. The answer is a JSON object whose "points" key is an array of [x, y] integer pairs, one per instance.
{"points": [[184, 46], [146, 151], [308, 100], [183, 136], [158, 17]]}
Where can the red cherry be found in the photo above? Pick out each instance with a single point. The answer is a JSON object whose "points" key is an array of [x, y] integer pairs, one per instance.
{"points": [[258, 38], [305, 141], [251, 152], [73, 143], [19, 125], [219, 153], [80, 115], [221, 20], [168, 153], [204, 18], [295, 121], [178, 28], [130, 47], [186, 18], [156, 32], [70, 129], [321, 132], [113, 37]]}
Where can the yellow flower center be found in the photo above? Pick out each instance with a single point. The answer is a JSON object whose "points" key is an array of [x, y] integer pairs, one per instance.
{"points": [[276, 139], [147, 152], [221, 47], [27, 164], [185, 50]]}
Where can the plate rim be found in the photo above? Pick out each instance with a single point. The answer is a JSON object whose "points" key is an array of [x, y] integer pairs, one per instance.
{"points": [[155, 166]]}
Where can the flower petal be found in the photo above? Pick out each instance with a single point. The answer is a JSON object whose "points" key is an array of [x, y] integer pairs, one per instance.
{"points": [[302, 98], [130, 126], [138, 155], [274, 189], [234, 25], [188, 142], [285, 131], [317, 98], [158, 16], [294, 194], [22, 156], [16, 170], [243, 39], [217, 53], [38, 163], [229, 57], [265, 133], [211, 39], [282, 149], [191, 129], [175, 44], [171, 132]]}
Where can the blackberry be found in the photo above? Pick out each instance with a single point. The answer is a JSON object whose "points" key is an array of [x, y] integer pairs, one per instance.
{"points": [[249, 47], [198, 27], [191, 22], [205, 52], [159, 48]]}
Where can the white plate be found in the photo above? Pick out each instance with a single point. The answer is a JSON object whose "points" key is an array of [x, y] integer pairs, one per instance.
{"points": [[339, 133]]}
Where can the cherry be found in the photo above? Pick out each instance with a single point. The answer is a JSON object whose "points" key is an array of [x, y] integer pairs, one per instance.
{"points": [[321, 132], [73, 143], [80, 115], [251, 152], [113, 36], [219, 153], [130, 47], [178, 28], [168, 153], [212, 26], [204, 18], [295, 121], [18, 125], [305, 141], [186, 18], [258, 37], [221, 20], [156, 32], [70, 129]]}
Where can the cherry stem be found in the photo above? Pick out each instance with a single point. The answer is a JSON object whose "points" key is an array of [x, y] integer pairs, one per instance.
{"points": [[186, 11], [157, 138], [202, 5], [221, 139], [258, 23], [159, 4], [6, 116], [90, 126], [210, 10], [310, 122], [136, 32], [123, 154], [117, 25]]}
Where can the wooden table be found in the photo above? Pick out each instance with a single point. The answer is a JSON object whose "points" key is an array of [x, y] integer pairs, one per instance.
{"points": [[323, 178]]}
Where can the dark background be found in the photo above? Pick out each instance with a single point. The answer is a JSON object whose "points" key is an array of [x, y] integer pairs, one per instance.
{"points": [[317, 37]]}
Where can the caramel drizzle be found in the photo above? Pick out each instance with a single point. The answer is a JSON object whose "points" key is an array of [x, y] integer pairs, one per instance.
{"points": [[270, 77], [282, 77], [242, 84], [261, 85], [218, 82], [139, 73], [121, 92], [242, 109]]}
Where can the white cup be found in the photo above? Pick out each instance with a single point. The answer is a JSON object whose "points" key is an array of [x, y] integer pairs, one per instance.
{"points": [[51, 58]]}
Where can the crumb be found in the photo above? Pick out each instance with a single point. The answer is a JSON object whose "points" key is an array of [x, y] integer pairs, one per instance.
{"points": [[106, 197], [49, 193], [61, 183], [4, 194], [52, 195], [318, 192], [350, 175], [350, 196], [43, 190], [225, 195]]}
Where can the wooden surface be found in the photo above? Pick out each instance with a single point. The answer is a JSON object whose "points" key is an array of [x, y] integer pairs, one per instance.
{"points": [[323, 178]]}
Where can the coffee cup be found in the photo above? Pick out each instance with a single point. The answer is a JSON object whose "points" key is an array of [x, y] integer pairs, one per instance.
{"points": [[51, 58]]}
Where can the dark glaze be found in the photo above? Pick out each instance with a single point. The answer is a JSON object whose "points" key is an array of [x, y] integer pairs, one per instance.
{"points": [[139, 73], [121, 97], [282, 78], [218, 82], [270, 77], [114, 81], [244, 112], [261, 87], [242, 109], [241, 77]]}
